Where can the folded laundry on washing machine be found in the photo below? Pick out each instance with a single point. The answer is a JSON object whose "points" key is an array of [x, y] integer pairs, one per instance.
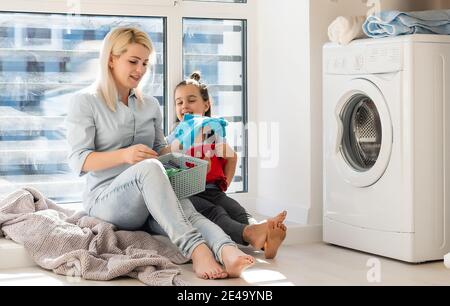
{"points": [[345, 29], [394, 23]]}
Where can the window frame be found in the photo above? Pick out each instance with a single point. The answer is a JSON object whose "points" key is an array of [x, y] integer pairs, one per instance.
{"points": [[174, 11], [244, 94]]}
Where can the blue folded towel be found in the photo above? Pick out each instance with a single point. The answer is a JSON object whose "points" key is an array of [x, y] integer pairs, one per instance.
{"points": [[192, 125], [394, 23]]}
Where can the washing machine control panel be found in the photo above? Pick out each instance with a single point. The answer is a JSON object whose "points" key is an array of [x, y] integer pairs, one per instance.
{"points": [[363, 59]]}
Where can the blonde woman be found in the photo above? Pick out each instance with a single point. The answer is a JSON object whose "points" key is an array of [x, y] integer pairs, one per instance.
{"points": [[115, 135]]}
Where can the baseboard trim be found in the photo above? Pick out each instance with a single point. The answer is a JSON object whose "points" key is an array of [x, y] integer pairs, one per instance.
{"points": [[301, 234]]}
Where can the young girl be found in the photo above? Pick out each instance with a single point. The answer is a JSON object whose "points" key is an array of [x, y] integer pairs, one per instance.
{"points": [[192, 97], [115, 135]]}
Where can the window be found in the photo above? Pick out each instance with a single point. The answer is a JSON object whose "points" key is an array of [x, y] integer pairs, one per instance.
{"points": [[40, 68], [216, 48]]}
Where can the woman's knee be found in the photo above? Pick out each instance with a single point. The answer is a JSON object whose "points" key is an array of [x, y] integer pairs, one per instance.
{"points": [[149, 167]]}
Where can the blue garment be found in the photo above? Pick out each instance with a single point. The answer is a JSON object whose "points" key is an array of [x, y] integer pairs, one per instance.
{"points": [[394, 23], [192, 126]]}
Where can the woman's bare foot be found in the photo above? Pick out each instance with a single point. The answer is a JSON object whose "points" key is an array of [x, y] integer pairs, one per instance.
{"points": [[205, 266], [275, 236], [256, 234], [235, 261]]}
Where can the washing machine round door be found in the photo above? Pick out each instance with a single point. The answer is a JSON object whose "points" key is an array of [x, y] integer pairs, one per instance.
{"points": [[364, 141]]}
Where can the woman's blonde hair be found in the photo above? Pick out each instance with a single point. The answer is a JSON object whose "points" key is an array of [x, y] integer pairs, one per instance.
{"points": [[116, 43]]}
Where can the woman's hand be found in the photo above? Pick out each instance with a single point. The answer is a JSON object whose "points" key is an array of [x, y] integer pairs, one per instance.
{"points": [[137, 153]]}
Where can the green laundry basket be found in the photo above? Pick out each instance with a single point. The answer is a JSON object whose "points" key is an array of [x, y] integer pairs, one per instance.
{"points": [[192, 179]]}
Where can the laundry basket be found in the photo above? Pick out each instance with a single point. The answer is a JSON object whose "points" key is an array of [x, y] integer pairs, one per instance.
{"points": [[192, 179]]}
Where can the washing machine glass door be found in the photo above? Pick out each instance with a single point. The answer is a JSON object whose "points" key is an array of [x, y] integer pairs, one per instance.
{"points": [[364, 139]]}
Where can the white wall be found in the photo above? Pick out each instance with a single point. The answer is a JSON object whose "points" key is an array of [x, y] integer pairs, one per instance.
{"points": [[291, 34], [283, 88]]}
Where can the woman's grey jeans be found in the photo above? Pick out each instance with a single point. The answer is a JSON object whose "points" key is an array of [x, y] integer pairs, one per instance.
{"points": [[143, 193]]}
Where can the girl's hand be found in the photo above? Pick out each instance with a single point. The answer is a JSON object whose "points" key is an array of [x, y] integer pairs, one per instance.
{"points": [[137, 153]]}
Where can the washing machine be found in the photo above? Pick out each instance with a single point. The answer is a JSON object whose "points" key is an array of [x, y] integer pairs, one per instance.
{"points": [[386, 123]]}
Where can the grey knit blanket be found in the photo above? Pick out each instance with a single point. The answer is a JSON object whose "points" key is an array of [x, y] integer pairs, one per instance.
{"points": [[74, 244]]}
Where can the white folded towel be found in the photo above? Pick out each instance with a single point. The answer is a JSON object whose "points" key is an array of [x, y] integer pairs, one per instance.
{"points": [[345, 29]]}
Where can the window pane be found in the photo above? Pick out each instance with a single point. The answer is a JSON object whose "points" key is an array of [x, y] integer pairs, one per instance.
{"points": [[216, 49], [40, 68]]}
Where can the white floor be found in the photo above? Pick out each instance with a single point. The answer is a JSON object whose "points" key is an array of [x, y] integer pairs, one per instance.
{"points": [[301, 264]]}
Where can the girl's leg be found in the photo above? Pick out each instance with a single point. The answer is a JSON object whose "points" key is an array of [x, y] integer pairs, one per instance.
{"points": [[259, 235], [231, 206], [268, 235], [219, 216], [144, 189]]}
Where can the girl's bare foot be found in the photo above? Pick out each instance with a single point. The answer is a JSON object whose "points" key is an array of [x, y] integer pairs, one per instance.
{"points": [[256, 234], [205, 266], [275, 236], [280, 217], [235, 261]]}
